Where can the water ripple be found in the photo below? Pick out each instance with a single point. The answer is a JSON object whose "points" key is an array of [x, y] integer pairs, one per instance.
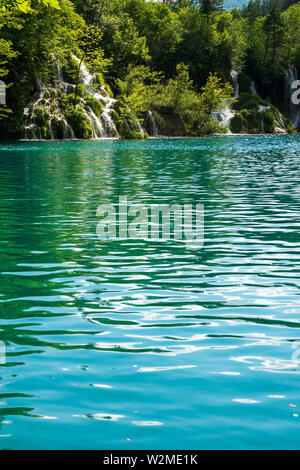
{"points": [[131, 337]]}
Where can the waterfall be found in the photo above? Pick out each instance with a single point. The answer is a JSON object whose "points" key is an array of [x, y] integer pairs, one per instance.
{"points": [[292, 110], [262, 124], [67, 87], [98, 130], [154, 130], [46, 106], [225, 115], [45, 101], [252, 88], [261, 110], [104, 124], [234, 77], [30, 127]]}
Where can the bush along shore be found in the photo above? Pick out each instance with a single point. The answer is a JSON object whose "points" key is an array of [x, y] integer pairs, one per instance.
{"points": [[133, 69]]}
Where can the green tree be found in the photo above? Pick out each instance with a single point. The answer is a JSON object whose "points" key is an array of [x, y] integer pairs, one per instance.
{"points": [[26, 5], [89, 42], [215, 97], [291, 19], [274, 28], [208, 7], [253, 12]]}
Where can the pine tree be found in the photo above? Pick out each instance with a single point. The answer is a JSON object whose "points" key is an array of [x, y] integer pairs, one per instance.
{"points": [[274, 29], [210, 6]]}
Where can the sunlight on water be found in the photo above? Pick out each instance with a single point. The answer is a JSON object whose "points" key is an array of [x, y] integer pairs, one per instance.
{"points": [[129, 344]]}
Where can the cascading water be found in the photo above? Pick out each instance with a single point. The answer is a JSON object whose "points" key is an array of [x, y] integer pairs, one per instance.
{"points": [[154, 130], [67, 87], [45, 104], [252, 88], [235, 80], [103, 126], [225, 115], [44, 117], [292, 109]]}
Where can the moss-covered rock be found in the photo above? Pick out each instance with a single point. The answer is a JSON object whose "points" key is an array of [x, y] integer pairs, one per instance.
{"points": [[80, 124], [131, 134], [236, 124], [41, 115], [267, 119], [288, 126], [268, 122], [81, 91], [250, 101], [129, 129], [94, 104], [168, 123]]}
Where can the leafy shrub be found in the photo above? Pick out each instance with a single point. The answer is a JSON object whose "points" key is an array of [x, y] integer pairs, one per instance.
{"points": [[249, 101], [269, 122]]}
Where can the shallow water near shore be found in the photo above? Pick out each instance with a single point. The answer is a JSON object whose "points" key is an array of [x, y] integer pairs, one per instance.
{"points": [[132, 344]]}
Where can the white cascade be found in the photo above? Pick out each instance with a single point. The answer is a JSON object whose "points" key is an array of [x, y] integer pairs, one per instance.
{"points": [[34, 132], [103, 126], [262, 124], [30, 127], [252, 88], [292, 109], [153, 125], [67, 87], [223, 117], [47, 99], [235, 80]]}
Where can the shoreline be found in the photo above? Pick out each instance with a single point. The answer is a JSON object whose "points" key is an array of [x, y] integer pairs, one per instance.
{"points": [[160, 137]]}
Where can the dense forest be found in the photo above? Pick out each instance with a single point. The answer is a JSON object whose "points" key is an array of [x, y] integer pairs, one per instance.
{"points": [[133, 68]]}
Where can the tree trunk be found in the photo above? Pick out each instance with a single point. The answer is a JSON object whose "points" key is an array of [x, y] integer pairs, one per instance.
{"points": [[77, 82]]}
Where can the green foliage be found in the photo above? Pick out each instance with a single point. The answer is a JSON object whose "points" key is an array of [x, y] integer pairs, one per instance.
{"points": [[195, 110], [250, 101], [89, 42], [254, 120], [136, 91], [79, 122], [208, 7], [94, 104], [173, 58], [236, 124], [291, 18], [26, 6], [215, 95], [244, 82], [42, 116], [274, 29]]}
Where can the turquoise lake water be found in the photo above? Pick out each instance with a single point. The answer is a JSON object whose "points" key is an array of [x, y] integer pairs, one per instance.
{"points": [[135, 344]]}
